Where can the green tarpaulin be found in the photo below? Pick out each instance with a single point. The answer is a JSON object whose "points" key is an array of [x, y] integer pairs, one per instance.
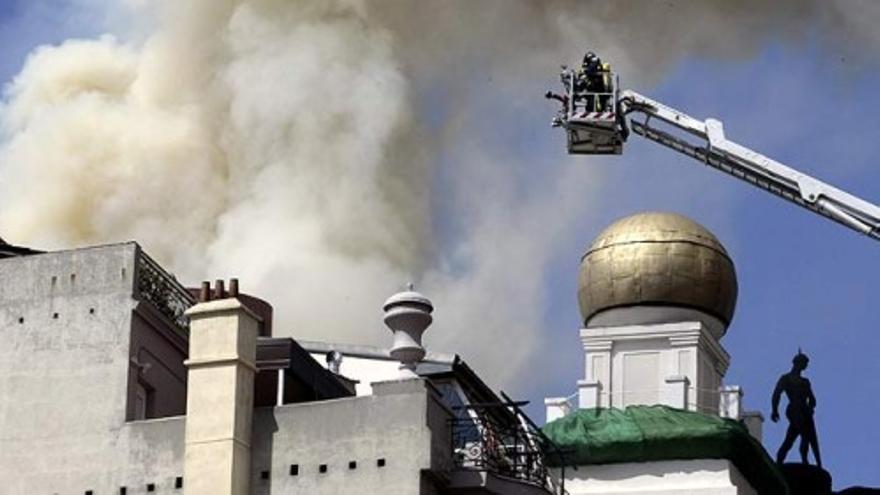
{"points": [[657, 433]]}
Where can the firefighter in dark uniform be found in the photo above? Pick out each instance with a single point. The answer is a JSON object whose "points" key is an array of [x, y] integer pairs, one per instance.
{"points": [[594, 77]]}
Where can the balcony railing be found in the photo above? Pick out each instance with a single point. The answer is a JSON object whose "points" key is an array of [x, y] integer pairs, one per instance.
{"points": [[499, 438], [159, 288]]}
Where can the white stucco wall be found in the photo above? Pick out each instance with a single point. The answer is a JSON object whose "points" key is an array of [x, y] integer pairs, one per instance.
{"points": [[365, 370], [651, 364], [366, 364], [692, 477]]}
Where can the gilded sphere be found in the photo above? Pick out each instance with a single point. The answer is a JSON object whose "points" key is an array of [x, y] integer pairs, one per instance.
{"points": [[660, 260]]}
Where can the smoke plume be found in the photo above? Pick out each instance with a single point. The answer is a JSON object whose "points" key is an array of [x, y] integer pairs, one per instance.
{"points": [[327, 152]]}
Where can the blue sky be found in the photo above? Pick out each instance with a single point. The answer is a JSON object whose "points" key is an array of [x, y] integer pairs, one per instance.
{"points": [[25, 25], [804, 281]]}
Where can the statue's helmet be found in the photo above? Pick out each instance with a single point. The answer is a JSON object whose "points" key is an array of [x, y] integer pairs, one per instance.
{"points": [[800, 359], [590, 57]]}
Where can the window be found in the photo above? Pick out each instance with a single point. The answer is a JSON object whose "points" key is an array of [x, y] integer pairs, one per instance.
{"points": [[140, 401]]}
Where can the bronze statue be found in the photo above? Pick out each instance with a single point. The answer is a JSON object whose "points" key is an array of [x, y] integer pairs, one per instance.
{"points": [[801, 405]]}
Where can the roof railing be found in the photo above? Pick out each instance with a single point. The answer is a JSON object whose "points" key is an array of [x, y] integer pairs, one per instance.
{"points": [[160, 289], [499, 438]]}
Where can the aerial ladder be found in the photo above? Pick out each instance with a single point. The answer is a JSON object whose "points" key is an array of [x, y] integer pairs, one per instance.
{"points": [[598, 118]]}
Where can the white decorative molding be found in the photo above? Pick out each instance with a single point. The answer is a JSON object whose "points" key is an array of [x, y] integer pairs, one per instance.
{"points": [[687, 352], [589, 394], [556, 407], [678, 386], [730, 403]]}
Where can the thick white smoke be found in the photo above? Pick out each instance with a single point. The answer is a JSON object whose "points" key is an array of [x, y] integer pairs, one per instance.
{"points": [[326, 152]]}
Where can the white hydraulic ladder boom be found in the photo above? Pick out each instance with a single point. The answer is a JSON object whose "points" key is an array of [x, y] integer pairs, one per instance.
{"points": [[598, 117], [741, 162]]}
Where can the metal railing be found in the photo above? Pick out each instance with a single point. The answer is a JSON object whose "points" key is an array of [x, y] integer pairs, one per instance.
{"points": [[499, 438], [159, 288], [583, 100]]}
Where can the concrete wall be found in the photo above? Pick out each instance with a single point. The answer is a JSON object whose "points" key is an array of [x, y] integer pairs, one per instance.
{"points": [[152, 452], [402, 425], [65, 325], [64, 320], [70, 325]]}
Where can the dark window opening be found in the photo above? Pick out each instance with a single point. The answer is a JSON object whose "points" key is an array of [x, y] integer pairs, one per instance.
{"points": [[352, 465], [294, 469], [264, 475], [151, 487], [122, 490], [54, 316], [380, 462], [91, 311], [178, 482], [21, 319], [144, 401], [322, 468]]}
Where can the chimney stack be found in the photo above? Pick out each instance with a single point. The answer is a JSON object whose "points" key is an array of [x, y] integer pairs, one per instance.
{"points": [[205, 292], [220, 394]]}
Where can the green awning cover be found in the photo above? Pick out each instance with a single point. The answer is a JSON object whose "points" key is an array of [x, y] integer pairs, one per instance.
{"points": [[657, 433]]}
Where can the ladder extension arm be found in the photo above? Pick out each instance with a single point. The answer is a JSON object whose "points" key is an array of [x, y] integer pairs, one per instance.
{"points": [[748, 165]]}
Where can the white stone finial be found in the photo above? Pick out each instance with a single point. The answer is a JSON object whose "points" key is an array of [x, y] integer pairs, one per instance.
{"points": [[408, 314]]}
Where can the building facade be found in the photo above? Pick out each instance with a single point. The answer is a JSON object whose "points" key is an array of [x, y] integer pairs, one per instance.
{"points": [[116, 379]]}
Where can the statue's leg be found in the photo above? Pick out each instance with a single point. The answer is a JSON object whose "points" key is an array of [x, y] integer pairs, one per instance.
{"points": [[790, 436], [810, 431], [805, 447]]}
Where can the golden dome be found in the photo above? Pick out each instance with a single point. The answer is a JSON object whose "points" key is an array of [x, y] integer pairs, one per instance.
{"points": [[657, 259]]}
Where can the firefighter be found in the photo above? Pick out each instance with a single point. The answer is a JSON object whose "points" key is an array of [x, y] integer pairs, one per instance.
{"points": [[607, 88], [586, 79], [593, 77]]}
